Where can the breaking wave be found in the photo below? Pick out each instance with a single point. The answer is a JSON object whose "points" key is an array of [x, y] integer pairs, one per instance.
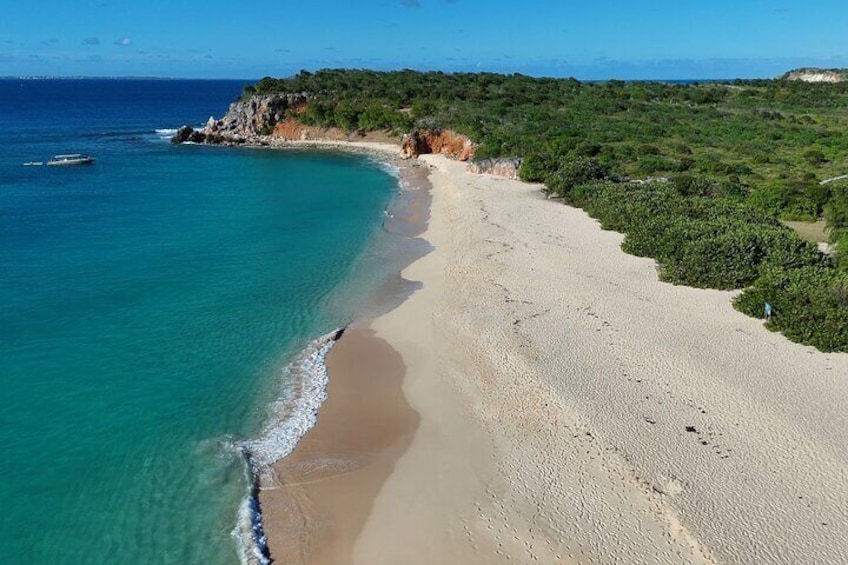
{"points": [[292, 415]]}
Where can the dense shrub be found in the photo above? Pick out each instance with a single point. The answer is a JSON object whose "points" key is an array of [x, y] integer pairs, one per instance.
{"points": [[697, 241], [571, 172], [536, 167], [810, 305], [836, 212], [704, 242]]}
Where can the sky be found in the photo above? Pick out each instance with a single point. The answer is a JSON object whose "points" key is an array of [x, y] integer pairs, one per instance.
{"points": [[587, 39]]}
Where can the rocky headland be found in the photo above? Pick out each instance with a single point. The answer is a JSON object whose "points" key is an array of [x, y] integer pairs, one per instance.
{"points": [[271, 120], [817, 75]]}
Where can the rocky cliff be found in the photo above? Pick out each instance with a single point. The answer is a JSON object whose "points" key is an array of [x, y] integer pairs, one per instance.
{"points": [[246, 121], [817, 75], [261, 120], [454, 145]]}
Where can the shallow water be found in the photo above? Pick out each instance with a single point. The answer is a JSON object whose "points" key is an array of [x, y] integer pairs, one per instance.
{"points": [[148, 305]]}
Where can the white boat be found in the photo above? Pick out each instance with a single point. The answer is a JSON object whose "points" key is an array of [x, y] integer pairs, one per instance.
{"points": [[33, 164], [70, 159]]}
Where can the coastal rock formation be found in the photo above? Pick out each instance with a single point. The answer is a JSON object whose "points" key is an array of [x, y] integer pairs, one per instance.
{"points": [[256, 115], [188, 134], [817, 75], [507, 168], [263, 120], [248, 120], [445, 142]]}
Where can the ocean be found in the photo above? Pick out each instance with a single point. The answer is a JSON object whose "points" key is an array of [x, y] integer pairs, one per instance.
{"points": [[150, 305]]}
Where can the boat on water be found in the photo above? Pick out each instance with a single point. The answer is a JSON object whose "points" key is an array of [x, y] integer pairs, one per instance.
{"points": [[70, 159], [33, 164]]}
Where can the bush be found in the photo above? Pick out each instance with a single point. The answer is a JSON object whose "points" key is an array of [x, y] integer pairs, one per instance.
{"points": [[814, 157], [573, 171], [810, 304], [836, 213], [346, 116], [698, 241], [536, 167]]}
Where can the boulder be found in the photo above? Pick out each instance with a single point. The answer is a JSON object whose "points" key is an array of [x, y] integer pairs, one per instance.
{"points": [[188, 134], [183, 134]]}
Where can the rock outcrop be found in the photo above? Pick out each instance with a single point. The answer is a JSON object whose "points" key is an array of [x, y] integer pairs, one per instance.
{"points": [[507, 168], [188, 134], [247, 120], [817, 75], [263, 120], [257, 115], [445, 142]]}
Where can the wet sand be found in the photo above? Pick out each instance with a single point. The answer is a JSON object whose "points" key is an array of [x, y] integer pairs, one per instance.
{"points": [[319, 497]]}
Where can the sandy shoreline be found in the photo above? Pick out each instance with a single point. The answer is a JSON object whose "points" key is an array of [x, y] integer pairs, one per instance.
{"points": [[573, 409], [319, 496], [314, 502]]}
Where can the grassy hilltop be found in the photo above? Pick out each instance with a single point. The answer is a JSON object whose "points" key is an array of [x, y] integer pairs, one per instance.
{"points": [[734, 159]]}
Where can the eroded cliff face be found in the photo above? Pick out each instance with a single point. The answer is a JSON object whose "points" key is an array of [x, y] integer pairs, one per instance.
{"points": [[291, 130], [817, 75], [454, 145]]}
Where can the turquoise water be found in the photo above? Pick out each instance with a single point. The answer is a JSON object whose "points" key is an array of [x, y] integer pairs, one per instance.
{"points": [[147, 308]]}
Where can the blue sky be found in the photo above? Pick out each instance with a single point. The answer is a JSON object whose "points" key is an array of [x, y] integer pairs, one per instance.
{"points": [[588, 39]]}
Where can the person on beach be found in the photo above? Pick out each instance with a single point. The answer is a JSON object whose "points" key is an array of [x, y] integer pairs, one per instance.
{"points": [[767, 312]]}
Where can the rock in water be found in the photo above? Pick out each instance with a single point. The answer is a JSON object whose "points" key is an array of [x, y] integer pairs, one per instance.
{"points": [[188, 134], [183, 134]]}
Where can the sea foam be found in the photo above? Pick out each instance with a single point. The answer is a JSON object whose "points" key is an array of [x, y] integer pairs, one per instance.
{"points": [[292, 415], [166, 133], [295, 411]]}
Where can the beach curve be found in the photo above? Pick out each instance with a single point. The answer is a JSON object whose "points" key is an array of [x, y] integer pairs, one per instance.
{"points": [[574, 409]]}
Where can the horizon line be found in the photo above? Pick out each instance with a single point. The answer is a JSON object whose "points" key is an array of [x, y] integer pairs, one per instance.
{"points": [[254, 80]]}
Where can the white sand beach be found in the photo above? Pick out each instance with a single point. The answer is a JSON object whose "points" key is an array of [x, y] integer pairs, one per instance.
{"points": [[573, 409]]}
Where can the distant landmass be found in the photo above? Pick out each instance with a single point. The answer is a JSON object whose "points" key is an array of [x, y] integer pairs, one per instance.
{"points": [[812, 74]]}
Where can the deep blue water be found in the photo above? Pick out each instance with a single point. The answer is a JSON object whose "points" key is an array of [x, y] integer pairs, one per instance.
{"points": [[148, 305]]}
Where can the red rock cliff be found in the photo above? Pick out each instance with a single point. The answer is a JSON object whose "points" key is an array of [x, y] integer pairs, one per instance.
{"points": [[446, 142]]}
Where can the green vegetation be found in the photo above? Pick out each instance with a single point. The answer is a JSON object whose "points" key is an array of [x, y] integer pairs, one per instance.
{"points": [[738, 157], [836, 214], [699, 241]]}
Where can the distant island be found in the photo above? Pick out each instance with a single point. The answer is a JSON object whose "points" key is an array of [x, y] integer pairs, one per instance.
{"points": [[698, 176]]}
